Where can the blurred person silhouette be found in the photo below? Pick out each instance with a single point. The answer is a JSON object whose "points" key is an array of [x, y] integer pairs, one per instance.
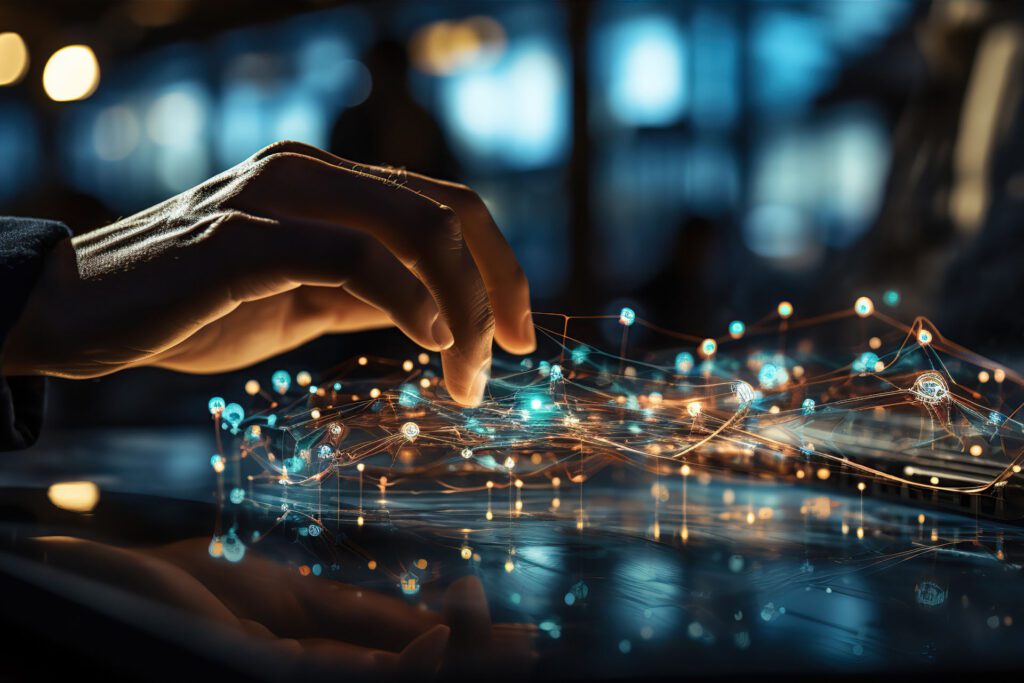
{"points": [[390, 126]]}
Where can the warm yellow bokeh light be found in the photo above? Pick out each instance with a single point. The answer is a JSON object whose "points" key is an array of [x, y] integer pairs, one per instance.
{"points": [[76, 496], [71, 73], [13, 58]]}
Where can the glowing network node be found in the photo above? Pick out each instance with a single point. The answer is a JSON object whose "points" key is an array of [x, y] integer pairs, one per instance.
{"points": [[233, 414], [785, 309], [555, 373], [693, 408], [410, 430], [410, 584], [744, 392], [770, 376], [281, 381], [930, 387], [736, 329], [466, 453], [252, 387], [865, 362], [313, 530], [808, 406], [303, 379], [216, 405], [237, 495], [325, 451], [510, 464], [580, 354], [684, 363], [708, 347], [924, 337], [864, 307], [891, 297], [627, 316]]}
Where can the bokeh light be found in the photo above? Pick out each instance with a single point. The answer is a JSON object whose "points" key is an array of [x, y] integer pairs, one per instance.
{"points": [[71, 73], [13, 58]]}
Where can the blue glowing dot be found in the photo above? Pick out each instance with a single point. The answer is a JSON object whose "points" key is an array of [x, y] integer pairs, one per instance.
{"points": [[408, 395], [744, 393], [536, 404], [570, 599], [891, 297], [736, 329], [769, 375], [281, 381], [865, 362], [233, 548], [684, 362], [337, 386], [580, 355], [808, 406], [237, 495], [625, 647], [325, 451], [996, 418], [313, 530], [312, 388], [233, 414], [216, 405], [317, 569], [216, 460], [627, 316], [294, 464], [555, 373], [515, 598], [271, 420]]}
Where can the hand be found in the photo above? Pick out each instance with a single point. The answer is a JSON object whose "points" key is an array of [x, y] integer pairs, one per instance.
{"points": [[317, 626], [288, 245]]}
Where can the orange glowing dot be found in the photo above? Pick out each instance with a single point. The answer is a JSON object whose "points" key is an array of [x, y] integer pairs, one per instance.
{"points": [[425, 383], [304, 570], [363, 360], [375, 392], [999, 375], [864, 307], [423, 358], [976, 450], [360, 521], [799, 474], [924, 337], [983, 377], [314, 414], [875, 343], [407, 365], [824, 473], [684, 470], [785, 309], [421, 563], [920, 518], [303, 379], [252, 387], [556, 482], [371, 565]]}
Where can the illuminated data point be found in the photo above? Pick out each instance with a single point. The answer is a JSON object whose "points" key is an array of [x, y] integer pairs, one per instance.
{"points": [[930, 387], [744, 392], [281, 381], [555, 372], [863, 307], [324, 451], [313, 530], [736, 329], [627, 316], [466, 552], [334, 429], [693, 408], [252, 387], [808, 405], [865, 362], [467, 453], [237, 495], [684, 363], [510, 465], [924, 337], [217, 462], [510, 566], [708, 347], [216, 405], [769, 375], [233, 414], [410, 430], [785, 309], [303, 379], [891, 297], [410, 584]]}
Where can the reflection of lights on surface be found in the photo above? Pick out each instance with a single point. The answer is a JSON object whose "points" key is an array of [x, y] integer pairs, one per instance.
{"points": [[76, 496], [71, 73], [647, 71], [864, 307], [13, 58]]}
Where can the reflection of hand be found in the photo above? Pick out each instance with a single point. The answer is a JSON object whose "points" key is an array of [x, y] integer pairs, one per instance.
{"points": [[320, 625], [286, 246]]}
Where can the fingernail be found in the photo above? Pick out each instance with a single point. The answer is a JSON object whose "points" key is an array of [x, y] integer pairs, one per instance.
{"points": [[527, 329], [442, 334]]}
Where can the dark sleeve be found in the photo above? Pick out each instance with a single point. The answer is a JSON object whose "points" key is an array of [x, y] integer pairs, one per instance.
{"points": [[24, 245]]}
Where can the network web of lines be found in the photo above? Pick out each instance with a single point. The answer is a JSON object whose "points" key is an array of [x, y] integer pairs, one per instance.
{"points": [[576, 442]]}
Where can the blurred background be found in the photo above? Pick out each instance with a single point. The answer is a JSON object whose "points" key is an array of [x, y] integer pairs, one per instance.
{"points": [[698, 160]]}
